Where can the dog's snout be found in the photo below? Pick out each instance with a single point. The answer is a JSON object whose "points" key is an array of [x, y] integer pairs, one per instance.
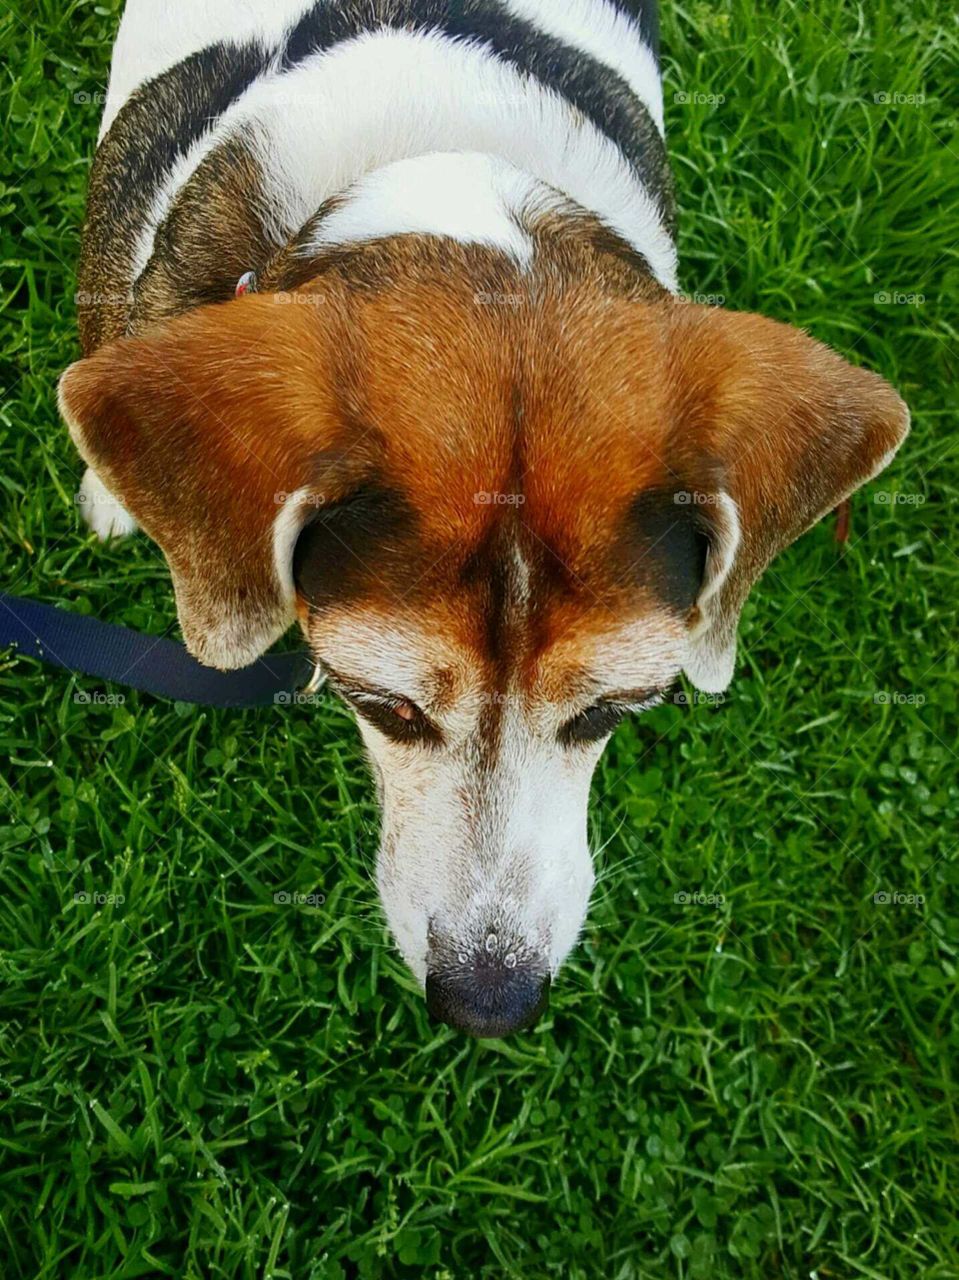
{"points": [[486, 993]]}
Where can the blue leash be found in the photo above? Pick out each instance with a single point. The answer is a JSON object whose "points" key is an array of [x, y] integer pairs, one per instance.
{"points": [[152, 664]]}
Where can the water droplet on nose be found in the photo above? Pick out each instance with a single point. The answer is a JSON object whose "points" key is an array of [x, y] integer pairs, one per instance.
{"points": [[491, 942], [510, 961]]}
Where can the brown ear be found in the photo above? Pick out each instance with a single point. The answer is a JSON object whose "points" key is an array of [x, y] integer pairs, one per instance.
{"points": [[783, 430], [218, 433]]}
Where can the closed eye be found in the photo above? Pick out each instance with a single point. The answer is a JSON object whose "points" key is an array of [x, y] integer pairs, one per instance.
{"points": [[598, 721], [398, 718]]}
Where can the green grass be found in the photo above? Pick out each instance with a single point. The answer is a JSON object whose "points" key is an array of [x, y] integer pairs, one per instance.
{"points": [[196, 1081]]}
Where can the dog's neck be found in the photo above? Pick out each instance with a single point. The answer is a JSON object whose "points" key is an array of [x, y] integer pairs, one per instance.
{"points": [[217, 231]]}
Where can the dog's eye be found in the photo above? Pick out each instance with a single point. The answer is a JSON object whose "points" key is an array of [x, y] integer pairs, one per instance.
{"points": [[593, 724], [598, 721], [398, 718]]}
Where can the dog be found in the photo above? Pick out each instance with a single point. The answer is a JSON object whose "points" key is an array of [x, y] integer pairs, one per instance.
{"points": [[382, 335]]}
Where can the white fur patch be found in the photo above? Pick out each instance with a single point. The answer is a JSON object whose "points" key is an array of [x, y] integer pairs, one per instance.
{"points": [[294, 509], [642, 653], [711, 659], [464, 850], [392, 652], [726, 537], [107, 517], [469, 197], [607, 35]]}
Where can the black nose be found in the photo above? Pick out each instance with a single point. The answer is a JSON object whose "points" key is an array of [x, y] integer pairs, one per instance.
{"points": [[487, 1001]]}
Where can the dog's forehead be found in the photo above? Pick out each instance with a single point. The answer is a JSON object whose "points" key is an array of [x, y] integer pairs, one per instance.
{"points": [[490, 387], [518, 509]]}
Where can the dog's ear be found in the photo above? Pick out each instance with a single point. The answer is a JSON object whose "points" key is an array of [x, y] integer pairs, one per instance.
{"points": [[780, 430], [218, 432]]}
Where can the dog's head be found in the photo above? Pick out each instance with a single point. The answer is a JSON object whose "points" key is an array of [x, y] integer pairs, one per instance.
{"points": [[505, 519]]}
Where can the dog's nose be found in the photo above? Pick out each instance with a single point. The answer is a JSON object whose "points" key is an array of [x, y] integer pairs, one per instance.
{"points": [[487, 1006], [487, 997]]}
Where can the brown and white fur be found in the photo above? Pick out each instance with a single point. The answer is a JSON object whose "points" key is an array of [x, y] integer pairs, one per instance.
{"points": [[465, 432]]}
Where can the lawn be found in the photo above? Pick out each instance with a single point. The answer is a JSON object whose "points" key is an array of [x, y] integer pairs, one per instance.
{"points": [[749, 1067]]}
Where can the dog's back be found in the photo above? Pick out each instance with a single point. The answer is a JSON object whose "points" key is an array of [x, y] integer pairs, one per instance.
{"points": [[233, 131]]}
